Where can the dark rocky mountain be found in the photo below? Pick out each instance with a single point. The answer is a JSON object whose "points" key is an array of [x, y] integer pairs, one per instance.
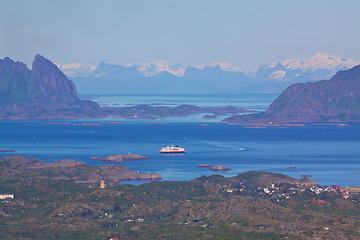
{"points": [[50, 84], [43, 92], [337, 99]]}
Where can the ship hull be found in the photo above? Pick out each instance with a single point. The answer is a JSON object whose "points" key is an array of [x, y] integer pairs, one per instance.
{"points": [[171, 152]]}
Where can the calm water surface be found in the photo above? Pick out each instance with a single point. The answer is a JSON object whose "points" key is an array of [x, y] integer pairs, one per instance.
{"points": [[329, 153]]}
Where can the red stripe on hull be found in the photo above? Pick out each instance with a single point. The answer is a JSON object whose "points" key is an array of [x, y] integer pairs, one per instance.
{"points": [[173, 152]]}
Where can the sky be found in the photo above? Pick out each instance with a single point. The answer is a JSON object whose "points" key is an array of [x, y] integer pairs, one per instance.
{"points": [[187, 32]]}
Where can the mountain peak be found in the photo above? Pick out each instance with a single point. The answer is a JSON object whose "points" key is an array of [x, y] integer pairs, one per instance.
{"points": [[43, 92], [224, 66], [51, 83], [39, 57], [40, 61], [319, 61], [153, 68]]}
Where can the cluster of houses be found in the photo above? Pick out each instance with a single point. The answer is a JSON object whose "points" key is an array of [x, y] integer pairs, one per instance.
{"points": [[345, 193], [277, 191]]}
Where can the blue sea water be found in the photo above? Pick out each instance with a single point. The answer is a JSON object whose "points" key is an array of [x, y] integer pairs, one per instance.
{"points": [[330, 154]]}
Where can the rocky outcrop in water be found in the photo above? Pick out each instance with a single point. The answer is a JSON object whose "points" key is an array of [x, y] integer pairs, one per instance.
{"points": [[7, 151], [120, 158], [218, 168]]}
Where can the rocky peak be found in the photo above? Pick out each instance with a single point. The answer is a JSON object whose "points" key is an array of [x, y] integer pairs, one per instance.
{"points": [[51, 83], [43, 92]]}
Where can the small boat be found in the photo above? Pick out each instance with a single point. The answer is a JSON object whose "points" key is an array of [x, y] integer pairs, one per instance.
{"points": [[172, 149]]}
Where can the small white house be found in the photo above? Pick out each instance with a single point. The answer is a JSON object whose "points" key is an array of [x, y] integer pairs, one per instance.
{"points": [[6, 196]]}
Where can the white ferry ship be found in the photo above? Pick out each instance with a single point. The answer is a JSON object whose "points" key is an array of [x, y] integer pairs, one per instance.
{"points": [[172, 149]]}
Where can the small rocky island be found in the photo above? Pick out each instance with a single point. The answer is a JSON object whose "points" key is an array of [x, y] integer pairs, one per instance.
{"points": [[216, 168], [204, 166], [120, 158], [7, 151]]}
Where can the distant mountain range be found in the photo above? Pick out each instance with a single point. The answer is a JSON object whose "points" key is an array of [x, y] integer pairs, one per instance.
{"points": [[162, 77]]}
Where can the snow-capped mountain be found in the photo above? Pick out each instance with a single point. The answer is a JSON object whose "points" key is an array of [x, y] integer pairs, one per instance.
{"points": [[220, 77], [153, 68], [319, 61], [76, 69], [106, 71], [320, 66]]}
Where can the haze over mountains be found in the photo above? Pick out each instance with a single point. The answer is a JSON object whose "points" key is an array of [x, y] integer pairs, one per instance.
{"points": [[160, 77]]}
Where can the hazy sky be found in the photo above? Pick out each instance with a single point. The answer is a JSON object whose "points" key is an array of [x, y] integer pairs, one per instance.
{"points": [[188, 32]]}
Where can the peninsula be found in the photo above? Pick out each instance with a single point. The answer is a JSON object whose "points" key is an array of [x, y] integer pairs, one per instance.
{"points": [[70, 170], [334, 100]]}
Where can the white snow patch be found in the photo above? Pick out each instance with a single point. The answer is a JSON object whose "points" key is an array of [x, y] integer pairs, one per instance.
{"points": [[319, 61], [75, 69], [152, 68], [277, 75]]}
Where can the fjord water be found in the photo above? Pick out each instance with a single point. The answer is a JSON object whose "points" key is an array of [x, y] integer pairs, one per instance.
{"points": [[330, 154]]}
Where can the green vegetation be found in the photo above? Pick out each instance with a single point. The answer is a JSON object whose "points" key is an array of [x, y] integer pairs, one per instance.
{"points": [[211, 207]]}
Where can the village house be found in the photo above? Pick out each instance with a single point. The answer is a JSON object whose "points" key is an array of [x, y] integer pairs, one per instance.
{"points": [[6, 196]]}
